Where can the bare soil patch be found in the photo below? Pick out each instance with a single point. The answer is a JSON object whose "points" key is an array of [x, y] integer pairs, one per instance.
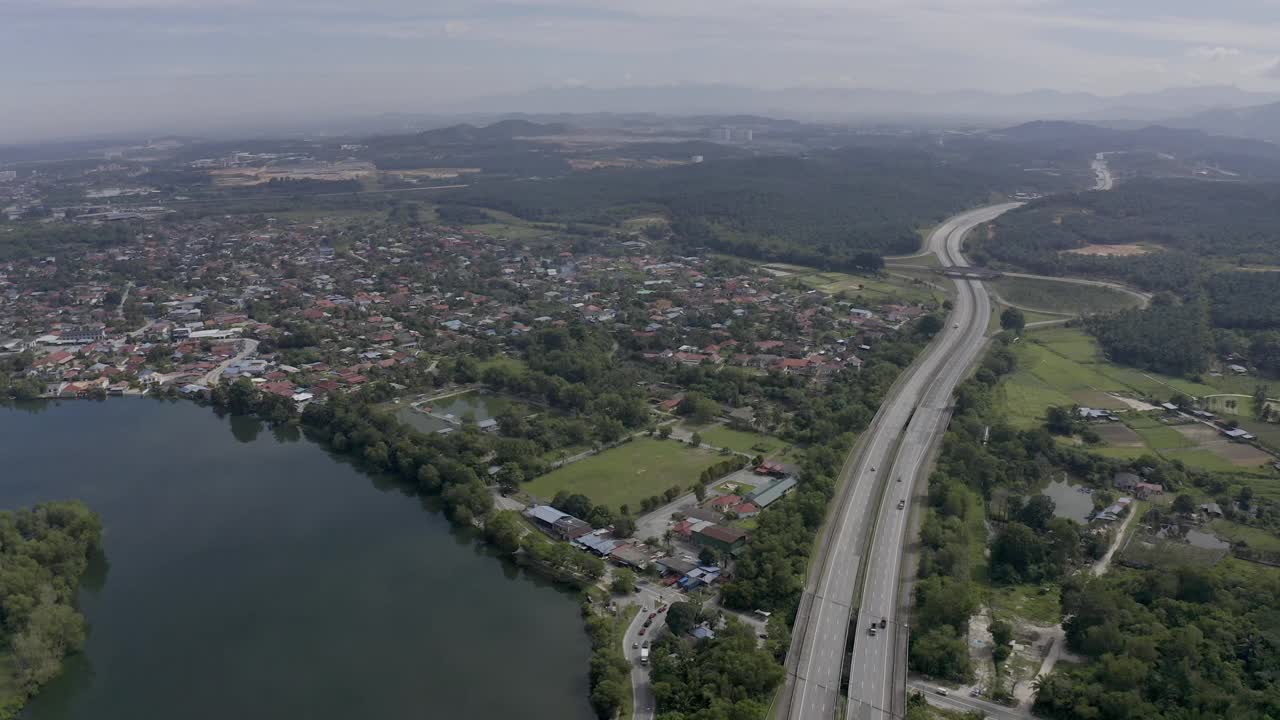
{"points": [[1111, 250], [1117, 435], [1239, 454]]}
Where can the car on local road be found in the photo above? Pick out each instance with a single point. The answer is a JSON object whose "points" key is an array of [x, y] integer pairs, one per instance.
{"points": [[902, 504]]}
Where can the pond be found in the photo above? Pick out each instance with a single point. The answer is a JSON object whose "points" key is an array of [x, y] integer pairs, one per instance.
{"points": [[436, 415], [251, 574], [1070, 500]]}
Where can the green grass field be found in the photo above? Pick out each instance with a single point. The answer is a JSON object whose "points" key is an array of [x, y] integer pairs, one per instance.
{"points": [[1256, 538], [1057, 296], [746, 442], [1027, 602], [624, 475], [1064, 366], [872, 289]]}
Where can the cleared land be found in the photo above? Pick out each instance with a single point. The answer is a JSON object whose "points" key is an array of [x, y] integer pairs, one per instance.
{"points": [[871, 288], [1119, 250], [627, 474], [1064, 297]]}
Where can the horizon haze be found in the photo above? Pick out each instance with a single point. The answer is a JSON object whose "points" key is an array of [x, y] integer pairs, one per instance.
{"points": [[101, 67]]}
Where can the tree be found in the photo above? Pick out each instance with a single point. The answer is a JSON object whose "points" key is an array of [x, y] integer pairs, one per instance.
{"points": [[1058, 420], [695, 439], [624, 526], [709, 556], [1013, 319], [664, 432], [624, 582], [510, 476], [606, 698], [1001, 636], [929, 325], [1259, 402], [1037, 512], [1184, 504], [700, 408], [682, 617]]}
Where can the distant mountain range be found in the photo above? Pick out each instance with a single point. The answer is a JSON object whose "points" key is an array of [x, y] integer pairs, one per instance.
{"points": [[1260, 122], [874, 105]]}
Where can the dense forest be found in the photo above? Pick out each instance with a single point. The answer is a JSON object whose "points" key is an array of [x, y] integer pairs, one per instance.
{"points": [[1169, 643], [44, 551], [1168, 337], [1180, 220], [1193, 233], [817, 210]]}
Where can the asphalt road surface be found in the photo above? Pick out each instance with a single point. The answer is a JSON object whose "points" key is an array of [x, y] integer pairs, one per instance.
{"points": [[958, 702], [877, 668], [818, 644], [642, 691]]}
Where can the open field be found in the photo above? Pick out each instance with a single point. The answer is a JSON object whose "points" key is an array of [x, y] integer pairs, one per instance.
{"points": [[1064, 366], [625, 475], [1034, 603], [1057, 296], [1255, 538], [746, 442], [872, 289]]}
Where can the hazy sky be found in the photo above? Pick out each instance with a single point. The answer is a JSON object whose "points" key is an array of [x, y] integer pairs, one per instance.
{"points": [[72, 66]]}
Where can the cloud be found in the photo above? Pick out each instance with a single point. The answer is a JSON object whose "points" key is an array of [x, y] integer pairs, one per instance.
{"points": [[1204, 52]]}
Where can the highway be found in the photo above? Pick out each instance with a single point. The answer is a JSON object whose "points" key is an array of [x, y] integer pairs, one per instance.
{"points": [[877, 670], [819, 639]]}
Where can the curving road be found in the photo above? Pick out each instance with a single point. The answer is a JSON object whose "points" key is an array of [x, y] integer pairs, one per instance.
{"points": [[877, 668], [817, 650]]}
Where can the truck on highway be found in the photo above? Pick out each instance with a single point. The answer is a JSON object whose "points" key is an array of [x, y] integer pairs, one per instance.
{"points": [[644, 656]]}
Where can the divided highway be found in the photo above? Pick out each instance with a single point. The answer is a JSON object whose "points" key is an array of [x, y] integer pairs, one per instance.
{"points": [[877, 670], [890, 450]]}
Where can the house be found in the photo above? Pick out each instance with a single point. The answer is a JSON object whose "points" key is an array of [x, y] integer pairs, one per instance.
{"points": [[702, 632], [772, 492], [489, 425], [1170, 407], [724, 502], [1095, 414], [718, 537], [1212, 509], [769, 467], [630, 555], [675, 566], [746, 510], [597, 542], [570, 528], [1238, 435], [1145, 490]]}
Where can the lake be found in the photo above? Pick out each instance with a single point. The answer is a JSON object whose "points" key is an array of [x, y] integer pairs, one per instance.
{"points": [[251, 574]]}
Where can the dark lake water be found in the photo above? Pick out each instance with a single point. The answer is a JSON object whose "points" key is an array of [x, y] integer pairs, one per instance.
{"points": [[253, 576]]}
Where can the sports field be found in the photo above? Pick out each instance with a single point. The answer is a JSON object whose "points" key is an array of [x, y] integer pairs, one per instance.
{"points": [[625, 475]]}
